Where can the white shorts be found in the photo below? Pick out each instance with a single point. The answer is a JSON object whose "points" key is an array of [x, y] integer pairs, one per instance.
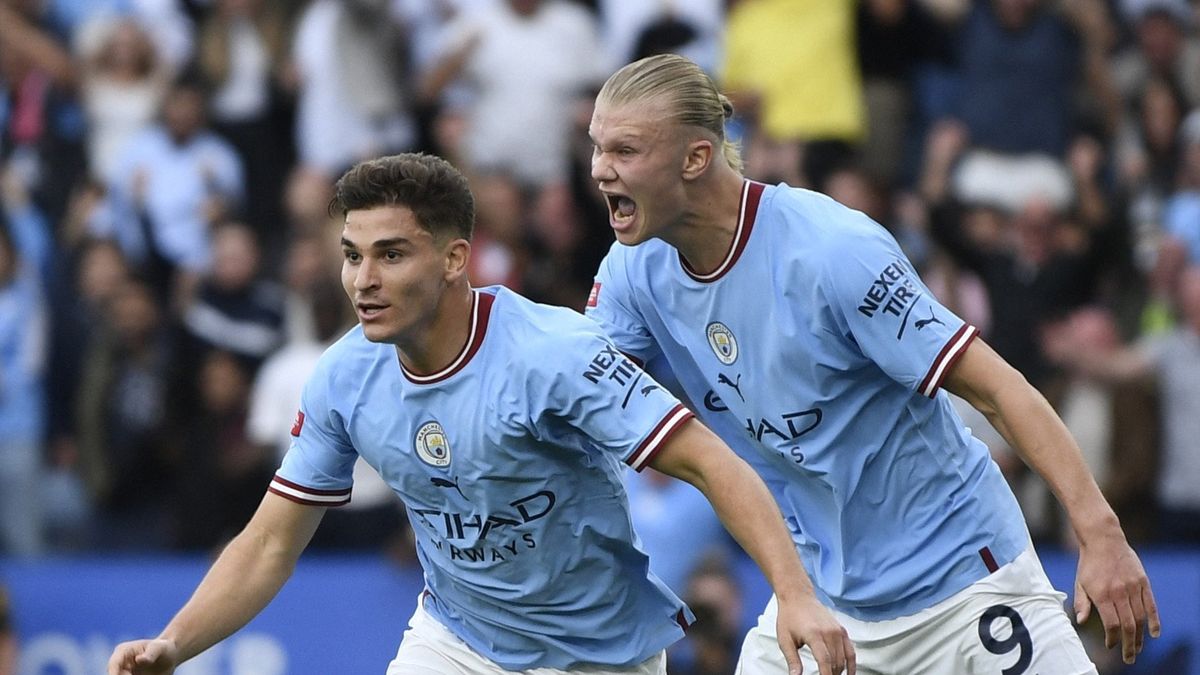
{"points": [[1011, 622], [429, 648]]}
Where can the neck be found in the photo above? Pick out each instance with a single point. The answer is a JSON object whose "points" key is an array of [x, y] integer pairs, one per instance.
{"points": [[706, 231], [436, 345]]}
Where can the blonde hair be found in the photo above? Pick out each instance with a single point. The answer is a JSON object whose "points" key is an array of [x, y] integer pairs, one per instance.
{"points": [[689, 93]]}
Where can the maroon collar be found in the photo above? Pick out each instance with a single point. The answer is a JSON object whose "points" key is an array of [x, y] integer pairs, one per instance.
{"points": [[747, 210], [481, 309]]}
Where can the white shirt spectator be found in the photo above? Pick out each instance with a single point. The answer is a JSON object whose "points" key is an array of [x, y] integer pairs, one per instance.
{"points": [[331, 134], [525, 73]]}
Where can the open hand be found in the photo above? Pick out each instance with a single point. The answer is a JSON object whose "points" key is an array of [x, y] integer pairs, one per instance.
{"points": [[808, 622], [1111, 577]]}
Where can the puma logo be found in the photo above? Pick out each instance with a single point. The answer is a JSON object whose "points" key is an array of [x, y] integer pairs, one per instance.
{"points": [[442, 482], [736, 386], [921, 323]]}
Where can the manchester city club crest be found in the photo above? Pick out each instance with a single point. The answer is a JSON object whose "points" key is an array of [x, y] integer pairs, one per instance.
{"points": [[432, 445], [723, 344]]}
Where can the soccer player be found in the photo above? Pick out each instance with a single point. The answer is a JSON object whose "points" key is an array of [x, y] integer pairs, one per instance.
{"points": [[805, 339], [502, 424]]}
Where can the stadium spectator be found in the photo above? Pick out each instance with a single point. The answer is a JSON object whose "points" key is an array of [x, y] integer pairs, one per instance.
{"points": [[234, 308], [714, 596], [500, 246], [1165, 47], [895, 40], [163, 20], [1147, 153], [632, 29], [220, 471], [1030, 277], [123, 80], [1181, 212], [41, 123], [173, 182], [242, 51], [525, 63], [1019, 50], [97, 272], [1174, 360], [589, 599], [790, 68], [24, 340], [125, 438], [351, 68]]}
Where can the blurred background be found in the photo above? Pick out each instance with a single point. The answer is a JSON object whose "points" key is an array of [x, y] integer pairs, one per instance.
{"points": [[169, 270]]}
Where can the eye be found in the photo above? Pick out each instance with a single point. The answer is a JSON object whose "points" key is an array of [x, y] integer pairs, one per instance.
{"points": [[393, 254], [351, 256], [626, 150]]}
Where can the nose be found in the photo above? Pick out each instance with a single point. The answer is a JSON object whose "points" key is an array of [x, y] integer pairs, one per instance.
{"points": [[365, 277], [602, 170]]}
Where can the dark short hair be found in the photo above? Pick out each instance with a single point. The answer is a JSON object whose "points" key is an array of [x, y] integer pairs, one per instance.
{"points": [[436, 192]]}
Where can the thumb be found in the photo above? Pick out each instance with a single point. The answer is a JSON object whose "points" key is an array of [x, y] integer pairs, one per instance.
{"points": [[150, 654], [1083, 606]]}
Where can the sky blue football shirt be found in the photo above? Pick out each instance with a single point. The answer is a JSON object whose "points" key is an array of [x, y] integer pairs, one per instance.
{"points": [[817, 353], [509, 463]]}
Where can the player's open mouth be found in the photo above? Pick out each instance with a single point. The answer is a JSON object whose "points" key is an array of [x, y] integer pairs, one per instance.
{"points": [[369, 310], [621, 210]]}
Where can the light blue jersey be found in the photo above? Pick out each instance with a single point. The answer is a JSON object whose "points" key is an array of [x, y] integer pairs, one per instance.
{"points": [[817, 353], [509, 464]]}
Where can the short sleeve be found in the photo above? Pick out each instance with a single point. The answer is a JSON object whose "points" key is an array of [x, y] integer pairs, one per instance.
{"points": [[318, 467], [884, 307], [611, 305], [586, 385]]}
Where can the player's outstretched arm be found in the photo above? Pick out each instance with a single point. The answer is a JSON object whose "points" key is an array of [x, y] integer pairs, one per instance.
{"points": [[1110, 575], [247, 574], [741, 500]]}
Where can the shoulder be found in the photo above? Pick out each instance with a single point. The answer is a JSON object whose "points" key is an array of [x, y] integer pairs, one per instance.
{"points": [[515, 316], [538, 335], [816, 222], [622, 262], [350, 359]]}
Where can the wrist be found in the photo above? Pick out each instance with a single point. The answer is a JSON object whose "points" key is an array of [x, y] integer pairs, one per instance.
{"points": [[1103, 525], [173, 643], [795, 592]]}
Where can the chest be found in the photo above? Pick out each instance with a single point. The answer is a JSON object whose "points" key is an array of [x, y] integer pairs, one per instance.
{"points": [[443, 444], [759, 353]]}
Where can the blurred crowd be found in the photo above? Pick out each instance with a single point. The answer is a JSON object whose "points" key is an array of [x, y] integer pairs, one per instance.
{"points": [[169, 268]]}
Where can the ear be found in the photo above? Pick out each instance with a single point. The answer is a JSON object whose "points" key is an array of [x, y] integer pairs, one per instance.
{"points": [[697, 158], [457, 253]]}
